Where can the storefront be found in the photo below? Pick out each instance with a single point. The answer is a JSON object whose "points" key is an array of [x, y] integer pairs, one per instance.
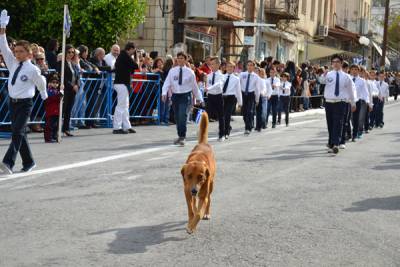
{"points": [[199, 45]]}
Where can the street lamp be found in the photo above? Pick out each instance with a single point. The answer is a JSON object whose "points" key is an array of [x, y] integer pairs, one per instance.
{"points": [[364, 41]]}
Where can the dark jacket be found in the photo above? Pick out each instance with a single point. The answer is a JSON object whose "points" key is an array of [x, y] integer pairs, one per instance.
{"points": [[51, 58], [124, 67], [68, 76], [101, 65]]}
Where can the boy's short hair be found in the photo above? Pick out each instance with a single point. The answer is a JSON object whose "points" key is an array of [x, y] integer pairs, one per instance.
{"points": [[252, 62], [130, 45], [286, 74], [230, 63], [216, 59], [182, 54], [354, 66], [336, 56], [53, 77], [25, 44]]}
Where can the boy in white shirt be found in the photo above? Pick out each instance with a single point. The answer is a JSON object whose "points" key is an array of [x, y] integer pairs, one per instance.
{"points": [[285, 95], [383, 96]]}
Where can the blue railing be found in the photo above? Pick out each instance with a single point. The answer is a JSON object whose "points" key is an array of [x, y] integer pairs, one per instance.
{"points": [[95, 100]]}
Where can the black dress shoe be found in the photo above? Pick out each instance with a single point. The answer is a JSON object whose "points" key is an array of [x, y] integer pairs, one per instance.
{"points": [[67, 133], [131, 130], [120, 131]]}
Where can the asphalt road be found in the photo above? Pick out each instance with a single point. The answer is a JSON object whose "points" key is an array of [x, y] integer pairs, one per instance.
{"points": [[280, 200]]}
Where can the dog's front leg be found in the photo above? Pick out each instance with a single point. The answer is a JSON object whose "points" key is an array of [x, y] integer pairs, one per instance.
{"points": [[189, 203], [198, 215]]}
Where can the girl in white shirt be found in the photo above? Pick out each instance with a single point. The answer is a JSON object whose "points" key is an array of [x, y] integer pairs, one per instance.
{"points": [[285, 95]]}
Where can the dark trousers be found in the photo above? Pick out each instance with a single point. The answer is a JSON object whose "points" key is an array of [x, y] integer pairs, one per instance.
{"points": [[51, 128], [334, 118], [69, 98], [372, 115], [273, 108], [229, 105], [285, 102], [346, 128], [355, 119], [361, 116], [215, 107], [366, 121], [261, 113], [180, 104], [248, 110], [19, 114], [379, 113]]}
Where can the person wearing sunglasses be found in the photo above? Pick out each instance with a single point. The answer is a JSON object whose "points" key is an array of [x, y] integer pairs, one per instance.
{"points": [[71, 86], [339, 91]]}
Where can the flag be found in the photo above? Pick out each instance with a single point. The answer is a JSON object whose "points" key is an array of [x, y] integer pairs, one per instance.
{"points": [[198, 116], [67, 23]]}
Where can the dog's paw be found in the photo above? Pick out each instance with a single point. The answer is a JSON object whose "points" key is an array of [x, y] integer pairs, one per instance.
{"points": [[189, 231], [207, 217]]}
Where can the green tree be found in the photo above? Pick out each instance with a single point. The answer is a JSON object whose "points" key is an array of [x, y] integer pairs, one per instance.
{"points": [[393, 33], [94, 22]]}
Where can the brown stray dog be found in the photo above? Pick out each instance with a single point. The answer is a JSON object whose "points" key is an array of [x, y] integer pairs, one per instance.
{"points": [[198, 178]]}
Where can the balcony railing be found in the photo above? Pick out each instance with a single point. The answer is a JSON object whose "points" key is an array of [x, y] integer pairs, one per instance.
{"points": [[282, 9]]}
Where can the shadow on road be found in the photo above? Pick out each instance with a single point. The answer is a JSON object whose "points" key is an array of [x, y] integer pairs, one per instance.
{"points": [[393, 163], [386, 203], [138, 239]]}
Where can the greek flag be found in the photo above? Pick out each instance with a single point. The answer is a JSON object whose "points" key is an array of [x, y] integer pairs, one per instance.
{"points": [[198, 116], [67, 23]]}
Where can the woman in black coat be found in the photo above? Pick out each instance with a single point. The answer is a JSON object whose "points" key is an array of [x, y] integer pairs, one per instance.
{"points": [[71, 86]]}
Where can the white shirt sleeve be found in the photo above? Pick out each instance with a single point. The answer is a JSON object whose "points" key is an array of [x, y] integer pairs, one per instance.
{"points": [[40, 83], [351, 87], [195, 88], [167, 84], [239, 93], [269, 88], [219, 84], [5, 50]]}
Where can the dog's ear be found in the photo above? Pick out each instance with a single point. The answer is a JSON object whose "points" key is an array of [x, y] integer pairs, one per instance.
{"points": [[183, 171]]}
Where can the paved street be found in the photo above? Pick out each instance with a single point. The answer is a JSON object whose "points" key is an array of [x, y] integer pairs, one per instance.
{"points": [[280, 200]]}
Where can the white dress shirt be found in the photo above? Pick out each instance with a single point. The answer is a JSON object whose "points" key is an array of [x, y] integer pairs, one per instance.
{"points": [[219, 80], [110, 60], [275, 83], [383, 88], [234, 87], [370, 86], [268, 88], [188, 82], [254, 85], [28, 77], [347, 90], [362, 88], [285, 88], [375, 90]]}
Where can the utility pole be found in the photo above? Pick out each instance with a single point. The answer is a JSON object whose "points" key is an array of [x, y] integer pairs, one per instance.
{"points": [[385, 35]]}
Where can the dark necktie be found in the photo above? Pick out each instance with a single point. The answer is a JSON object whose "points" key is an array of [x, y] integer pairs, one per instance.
{"points": [[337, 84], [180, 76], [14, 78], [213, 79], [380, 84], [226, 84], [247, 84], [354, 79]]}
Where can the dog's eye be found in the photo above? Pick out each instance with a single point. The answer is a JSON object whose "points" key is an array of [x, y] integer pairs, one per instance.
{"points": [[201, 177]]}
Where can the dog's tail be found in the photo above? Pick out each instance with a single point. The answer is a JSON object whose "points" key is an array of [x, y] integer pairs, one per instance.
{"points": [[203, 133]]}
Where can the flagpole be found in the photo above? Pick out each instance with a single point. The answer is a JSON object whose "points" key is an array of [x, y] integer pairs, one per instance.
{"points": [[62, 75]]}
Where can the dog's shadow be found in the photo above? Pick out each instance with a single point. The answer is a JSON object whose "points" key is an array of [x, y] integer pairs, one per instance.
{"points": [[138, 239]]}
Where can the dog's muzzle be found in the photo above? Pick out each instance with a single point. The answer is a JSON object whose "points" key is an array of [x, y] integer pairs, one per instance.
{"points": [[194, 192]]}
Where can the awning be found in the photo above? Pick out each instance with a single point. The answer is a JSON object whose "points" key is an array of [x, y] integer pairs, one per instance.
{"points": [[272, 32], [224, 23], [379, 50], [315, 51]]}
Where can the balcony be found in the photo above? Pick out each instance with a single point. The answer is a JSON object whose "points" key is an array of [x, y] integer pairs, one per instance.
{"points": [[277, 10]]}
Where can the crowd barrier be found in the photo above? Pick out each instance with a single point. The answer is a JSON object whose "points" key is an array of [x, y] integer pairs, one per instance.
{"points": [[95, 101]]}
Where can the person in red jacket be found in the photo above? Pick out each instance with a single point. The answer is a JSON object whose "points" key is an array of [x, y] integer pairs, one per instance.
{"points": [[52, 107]]}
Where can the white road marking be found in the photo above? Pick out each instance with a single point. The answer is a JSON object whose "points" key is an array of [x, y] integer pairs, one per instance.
{"points": [[134, 177], [157, 158], [123, 155]]}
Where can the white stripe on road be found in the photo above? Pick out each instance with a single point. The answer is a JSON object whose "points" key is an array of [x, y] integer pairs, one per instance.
{"points": [[121, 156]]}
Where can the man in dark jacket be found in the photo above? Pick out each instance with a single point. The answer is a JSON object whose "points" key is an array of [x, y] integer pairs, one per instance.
{"points": [[124, 67]]}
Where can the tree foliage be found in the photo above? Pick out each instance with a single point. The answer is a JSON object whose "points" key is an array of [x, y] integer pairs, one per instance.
{"points": [[394, 32], [94, 22]]}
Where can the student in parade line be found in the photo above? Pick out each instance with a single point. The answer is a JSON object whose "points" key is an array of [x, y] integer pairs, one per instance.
{"points": [[249, 82], [346, 131], [214, 90], [285, 89], [365, 75], [362, 102], [339, 92], [273, 103], [262, 108], [181, 80], [25, 77], [232, 93], [383, 88]]}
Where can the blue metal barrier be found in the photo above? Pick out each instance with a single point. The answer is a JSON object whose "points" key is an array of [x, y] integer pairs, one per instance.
{"points": [[95, 101]]}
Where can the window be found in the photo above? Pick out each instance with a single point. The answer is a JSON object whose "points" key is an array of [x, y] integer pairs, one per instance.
{"points": [[312, 15], [304, 7]]}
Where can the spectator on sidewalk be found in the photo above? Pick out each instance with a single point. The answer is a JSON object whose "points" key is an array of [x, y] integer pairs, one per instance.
{"points": [[52, 107], [111, 57]]}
